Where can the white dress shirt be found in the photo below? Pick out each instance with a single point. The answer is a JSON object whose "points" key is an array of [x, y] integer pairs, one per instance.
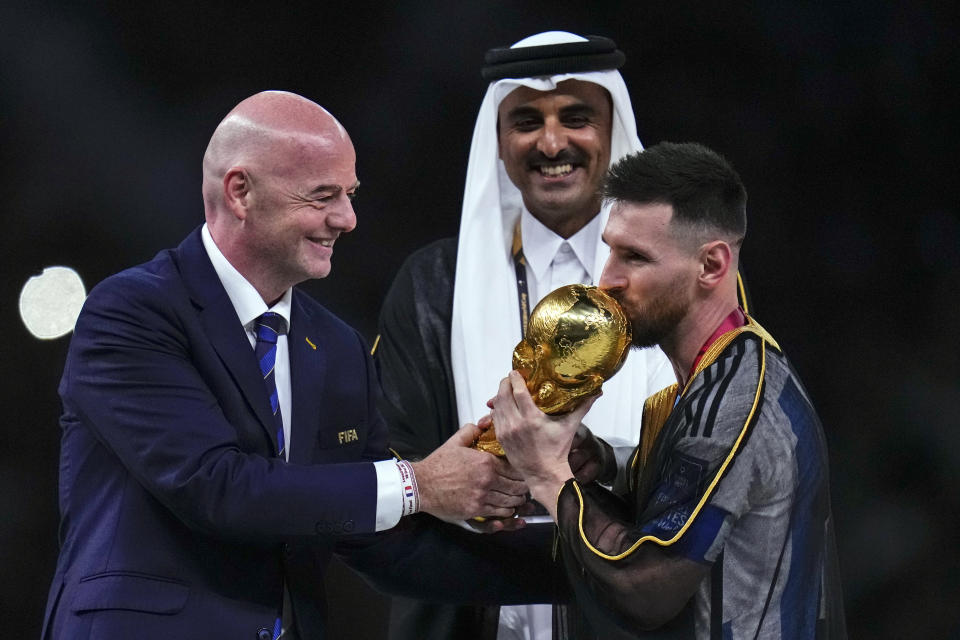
{"points": [[249, 306], [552, 261]]}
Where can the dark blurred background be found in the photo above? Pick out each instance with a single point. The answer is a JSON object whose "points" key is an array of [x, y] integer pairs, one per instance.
{"points": [[841, 118]]}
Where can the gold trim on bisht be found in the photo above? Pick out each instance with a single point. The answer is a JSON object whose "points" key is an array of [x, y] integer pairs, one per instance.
{"points": [[742, 294], [660, 405]]}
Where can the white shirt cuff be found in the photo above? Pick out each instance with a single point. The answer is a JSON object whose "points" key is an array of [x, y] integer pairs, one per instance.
{"points": [[389, 494]]}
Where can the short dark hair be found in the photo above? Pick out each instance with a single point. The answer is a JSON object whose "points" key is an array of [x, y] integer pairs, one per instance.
{"points": [[706, 193]]}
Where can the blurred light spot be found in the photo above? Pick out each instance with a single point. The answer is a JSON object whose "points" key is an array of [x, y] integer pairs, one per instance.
{"points": [[51, 302]]}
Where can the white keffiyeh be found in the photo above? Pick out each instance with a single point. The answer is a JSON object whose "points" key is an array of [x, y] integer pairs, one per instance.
{"points": [[486, 321]]}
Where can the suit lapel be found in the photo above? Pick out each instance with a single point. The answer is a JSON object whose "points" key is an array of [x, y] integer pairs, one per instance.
{"points": [[308, 368], [224, 330]]}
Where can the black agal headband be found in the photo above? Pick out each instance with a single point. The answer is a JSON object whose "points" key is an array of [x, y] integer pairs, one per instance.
{"points": [[596, 54]]}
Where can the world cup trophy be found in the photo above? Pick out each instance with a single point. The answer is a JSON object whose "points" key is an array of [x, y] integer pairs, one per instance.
{"points": [[577, 337]]}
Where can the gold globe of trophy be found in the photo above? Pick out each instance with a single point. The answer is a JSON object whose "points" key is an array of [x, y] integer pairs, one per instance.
{"points": [[577, 337]]}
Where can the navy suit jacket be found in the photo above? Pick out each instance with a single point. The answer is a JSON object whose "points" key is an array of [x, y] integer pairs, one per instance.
{"points": [[177, 518], [172, 499]]}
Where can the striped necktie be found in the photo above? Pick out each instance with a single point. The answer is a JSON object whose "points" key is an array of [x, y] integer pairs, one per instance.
{"points": [[268, 326]]}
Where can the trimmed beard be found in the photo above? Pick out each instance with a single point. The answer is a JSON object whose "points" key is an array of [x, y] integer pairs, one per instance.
{"points": [[659, 317]]}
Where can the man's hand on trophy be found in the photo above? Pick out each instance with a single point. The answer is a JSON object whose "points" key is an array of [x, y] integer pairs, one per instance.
{"points": [[457, 482], [591, 459], [493, 525], [537, 444]]}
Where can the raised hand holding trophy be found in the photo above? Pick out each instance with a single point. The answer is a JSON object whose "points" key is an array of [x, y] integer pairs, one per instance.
{"points": [[577, 337]]}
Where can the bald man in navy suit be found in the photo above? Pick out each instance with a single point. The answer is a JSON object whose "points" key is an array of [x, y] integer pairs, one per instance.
{"points": [[198, 501]]}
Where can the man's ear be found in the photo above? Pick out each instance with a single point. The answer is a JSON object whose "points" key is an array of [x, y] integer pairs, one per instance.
{"points": [[715, 260], [236, 191]]}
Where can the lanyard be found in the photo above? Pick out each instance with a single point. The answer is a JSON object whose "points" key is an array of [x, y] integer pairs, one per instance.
{"points": [[520, 265]]}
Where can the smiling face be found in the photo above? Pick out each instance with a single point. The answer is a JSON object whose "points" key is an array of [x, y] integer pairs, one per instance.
{"points": [[279, 175], [298, 206], [555, 146]]}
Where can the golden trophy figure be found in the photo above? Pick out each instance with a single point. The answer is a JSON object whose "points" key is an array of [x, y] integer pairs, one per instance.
{"points": [[577, 337]]}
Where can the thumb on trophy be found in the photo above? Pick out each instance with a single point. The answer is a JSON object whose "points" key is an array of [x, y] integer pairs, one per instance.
{"points": [[486, 421], [468, 433]]}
